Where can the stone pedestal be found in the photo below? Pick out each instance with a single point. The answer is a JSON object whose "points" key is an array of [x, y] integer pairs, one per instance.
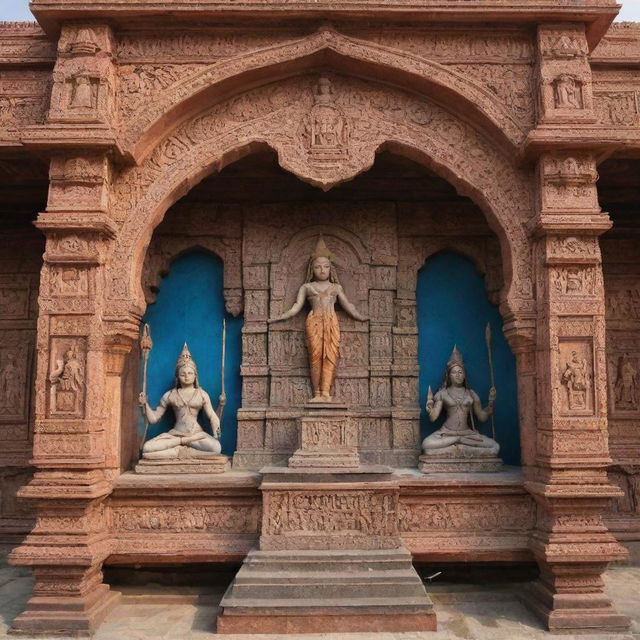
{"points": [[214, 464], [456, 462], [330, 559], [328, 438]]}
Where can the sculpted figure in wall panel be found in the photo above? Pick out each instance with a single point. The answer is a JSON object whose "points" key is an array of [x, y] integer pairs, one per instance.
{"points": [[577, 378], [186, 439], [627, 384], [322, 290], [68, 377]]}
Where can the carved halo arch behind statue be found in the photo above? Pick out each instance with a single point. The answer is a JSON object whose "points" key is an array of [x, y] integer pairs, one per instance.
{"points": [[351, 259]]}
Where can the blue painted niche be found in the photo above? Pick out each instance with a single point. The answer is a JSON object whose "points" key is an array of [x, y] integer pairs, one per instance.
{"points": [[453, 308], [190, 308]]}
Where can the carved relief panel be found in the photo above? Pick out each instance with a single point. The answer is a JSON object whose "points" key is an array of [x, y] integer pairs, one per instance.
{"points": [[565, 75], [84, 84], [16, 360], [67, 377], [577, 378], [624, 385]]}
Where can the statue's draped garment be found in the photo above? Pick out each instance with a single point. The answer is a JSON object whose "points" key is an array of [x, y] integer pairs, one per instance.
{"points": [[323, 342]]}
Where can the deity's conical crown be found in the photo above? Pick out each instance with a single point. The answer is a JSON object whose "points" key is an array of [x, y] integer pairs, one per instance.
{"points": [[455, 358], [321, 250], [185, 358]]}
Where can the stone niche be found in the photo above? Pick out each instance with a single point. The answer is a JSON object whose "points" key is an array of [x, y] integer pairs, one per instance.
{"points": [[621, 268], [381, 227]]}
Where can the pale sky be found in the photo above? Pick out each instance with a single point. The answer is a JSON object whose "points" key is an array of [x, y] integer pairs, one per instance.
{"points": [[18, 10]]}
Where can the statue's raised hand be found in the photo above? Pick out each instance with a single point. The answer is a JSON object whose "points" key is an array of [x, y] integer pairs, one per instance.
{"points": [[492, 395], [142, 399]]}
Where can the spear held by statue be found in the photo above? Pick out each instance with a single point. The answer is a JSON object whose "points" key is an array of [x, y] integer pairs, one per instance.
{"points": [[222, 398], [146, 344], [488, 340]]}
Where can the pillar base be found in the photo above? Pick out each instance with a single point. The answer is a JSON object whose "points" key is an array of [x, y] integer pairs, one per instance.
{"points": [[574, 612], [66, 616]]}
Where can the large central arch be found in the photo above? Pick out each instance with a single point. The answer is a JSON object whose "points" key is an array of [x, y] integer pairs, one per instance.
{"points": [[377, 115]]}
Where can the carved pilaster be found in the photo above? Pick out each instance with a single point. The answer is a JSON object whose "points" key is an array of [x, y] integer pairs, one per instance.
{"points": [[77, 418], [569, 481]]}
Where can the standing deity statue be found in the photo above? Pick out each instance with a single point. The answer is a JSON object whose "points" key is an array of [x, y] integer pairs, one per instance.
{"points": [[458, 437], [186, 439], [321, 289]]}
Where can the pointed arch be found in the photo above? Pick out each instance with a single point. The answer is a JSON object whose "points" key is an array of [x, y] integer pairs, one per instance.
{"points": [[325, 49], [382, 117]]}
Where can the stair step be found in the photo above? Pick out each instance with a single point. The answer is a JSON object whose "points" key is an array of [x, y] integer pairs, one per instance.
{"points": [[336, 604], [324, 590], [336, 577]]}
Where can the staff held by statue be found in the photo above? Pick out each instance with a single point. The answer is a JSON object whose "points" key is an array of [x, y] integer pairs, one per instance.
{"points": [[146, 344], [222, 398], [488, 340]]}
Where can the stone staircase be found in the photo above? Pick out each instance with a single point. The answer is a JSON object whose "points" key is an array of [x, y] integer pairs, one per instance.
{"points": [[324, 591]]}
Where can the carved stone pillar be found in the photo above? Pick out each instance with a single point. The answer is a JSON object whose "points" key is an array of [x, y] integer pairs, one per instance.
{"points": [[76, 435], [569, 480]]}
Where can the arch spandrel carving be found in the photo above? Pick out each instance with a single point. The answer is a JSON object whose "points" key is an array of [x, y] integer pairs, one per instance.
{"points": [[277, 115], [324, 48]]}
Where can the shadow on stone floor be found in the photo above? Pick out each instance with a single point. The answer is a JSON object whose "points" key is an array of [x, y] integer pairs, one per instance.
{"points": [[15, 589], [154, 607]]}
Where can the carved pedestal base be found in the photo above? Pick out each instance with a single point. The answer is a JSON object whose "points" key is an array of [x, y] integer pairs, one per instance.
{"points": [[452, 464], [331, 559], [214, 464], [328, 437]]}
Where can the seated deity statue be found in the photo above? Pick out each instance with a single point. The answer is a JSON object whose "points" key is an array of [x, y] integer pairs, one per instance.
{"points": [[186, 439], [458, 438]]}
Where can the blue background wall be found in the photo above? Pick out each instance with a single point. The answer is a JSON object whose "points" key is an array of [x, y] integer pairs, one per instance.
{"points": [[190, 308], [453, 308]]}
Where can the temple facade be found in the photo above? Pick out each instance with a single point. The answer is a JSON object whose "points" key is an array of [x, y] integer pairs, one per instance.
{"points": [[473, 170]]}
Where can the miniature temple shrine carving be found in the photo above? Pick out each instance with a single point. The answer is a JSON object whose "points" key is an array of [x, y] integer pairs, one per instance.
{"points": [[400, 241]]}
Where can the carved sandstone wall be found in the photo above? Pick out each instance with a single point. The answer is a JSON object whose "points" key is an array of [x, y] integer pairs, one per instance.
{"points": [[510, 115]]}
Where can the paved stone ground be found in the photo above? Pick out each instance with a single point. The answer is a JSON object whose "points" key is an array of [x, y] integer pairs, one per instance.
{"points": [[465, 612]]}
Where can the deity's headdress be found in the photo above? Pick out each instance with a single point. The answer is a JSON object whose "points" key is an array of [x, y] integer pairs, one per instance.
{"points": [[321, 251], [455, 360], [185, 358]]}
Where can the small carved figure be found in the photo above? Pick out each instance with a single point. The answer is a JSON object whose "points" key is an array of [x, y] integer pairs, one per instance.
{"points": [[82, 93], [567, 92], [11, 385], [626, 384], [577, 379], [328, 125], [68, 381], [69, 372], [322, 289], [186, 439], [461, 403]]}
